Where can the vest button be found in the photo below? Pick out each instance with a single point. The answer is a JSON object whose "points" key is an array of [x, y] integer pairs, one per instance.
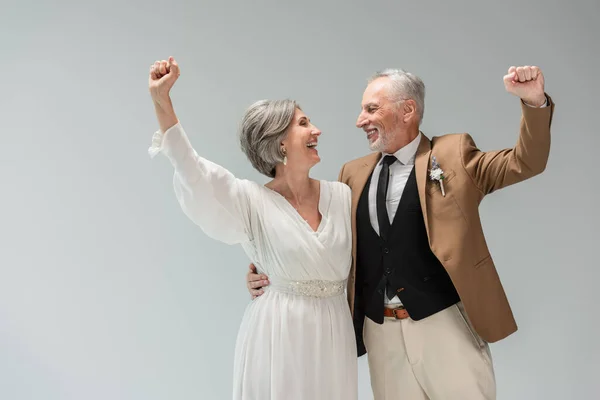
{"points": [[387, 270], [386, 250]]}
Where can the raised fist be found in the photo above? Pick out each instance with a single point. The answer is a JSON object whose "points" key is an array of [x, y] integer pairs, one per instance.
{"points": [[526, 83], [163, 75]]}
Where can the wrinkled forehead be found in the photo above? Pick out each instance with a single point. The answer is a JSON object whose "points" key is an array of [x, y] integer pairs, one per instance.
{"points": [[376, 93]]}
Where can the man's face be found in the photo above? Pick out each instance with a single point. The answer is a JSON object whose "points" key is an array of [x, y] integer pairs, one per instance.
{"points": [[380, 116]]}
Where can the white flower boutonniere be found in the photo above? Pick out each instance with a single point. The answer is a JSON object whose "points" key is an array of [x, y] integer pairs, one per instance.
{"points": [[437, 174]]}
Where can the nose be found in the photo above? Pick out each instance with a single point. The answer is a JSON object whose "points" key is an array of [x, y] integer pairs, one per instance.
{"points": [[361, 120], [316, 132]]}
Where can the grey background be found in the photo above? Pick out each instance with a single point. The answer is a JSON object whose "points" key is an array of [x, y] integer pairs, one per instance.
{"points": [[107, 291]]}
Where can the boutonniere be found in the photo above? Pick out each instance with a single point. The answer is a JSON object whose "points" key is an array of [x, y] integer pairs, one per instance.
{"points": [[437, 174]]}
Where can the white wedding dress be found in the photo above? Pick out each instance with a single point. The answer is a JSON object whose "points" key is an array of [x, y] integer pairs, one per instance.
{"points": [[296, 341]]}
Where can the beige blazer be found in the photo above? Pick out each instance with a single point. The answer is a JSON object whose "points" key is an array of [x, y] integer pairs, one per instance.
{"points": [[452, 221]]}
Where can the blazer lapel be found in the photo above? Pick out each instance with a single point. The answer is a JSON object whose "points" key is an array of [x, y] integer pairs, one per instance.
{"points": [[360, 179], [421, 167]]}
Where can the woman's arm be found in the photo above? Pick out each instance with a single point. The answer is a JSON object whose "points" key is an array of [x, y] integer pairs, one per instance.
{"points": [[163, 75], [207, 193]]}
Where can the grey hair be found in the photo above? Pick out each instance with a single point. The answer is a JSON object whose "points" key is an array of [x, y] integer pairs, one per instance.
{"points": [[263, 128], [404, 86]]}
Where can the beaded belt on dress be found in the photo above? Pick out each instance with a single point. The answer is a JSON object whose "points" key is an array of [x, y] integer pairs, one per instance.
{"points": [[310, 288]]}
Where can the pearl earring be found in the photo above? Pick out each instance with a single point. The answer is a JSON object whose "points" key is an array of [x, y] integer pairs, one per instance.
{"points": [[284, 156]]}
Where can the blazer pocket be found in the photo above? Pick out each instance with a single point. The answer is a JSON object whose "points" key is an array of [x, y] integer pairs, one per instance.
{"points": [[483, 261], [446, 209], [434, 186]]}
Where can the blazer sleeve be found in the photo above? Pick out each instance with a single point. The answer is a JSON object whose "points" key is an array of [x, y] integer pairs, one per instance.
{"points": [[494, 170], [341, 174]]}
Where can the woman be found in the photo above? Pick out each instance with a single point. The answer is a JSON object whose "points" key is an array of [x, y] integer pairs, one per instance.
{"points": [[296, 341]]}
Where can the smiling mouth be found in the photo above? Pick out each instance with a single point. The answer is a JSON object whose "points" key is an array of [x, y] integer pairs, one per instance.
{"points": [[371, 132]]}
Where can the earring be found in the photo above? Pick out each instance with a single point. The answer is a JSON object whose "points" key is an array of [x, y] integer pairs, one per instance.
{"points": [[284, 156]]}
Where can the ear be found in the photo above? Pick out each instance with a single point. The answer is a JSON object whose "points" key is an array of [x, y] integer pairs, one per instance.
{"points": [[410, 110]]}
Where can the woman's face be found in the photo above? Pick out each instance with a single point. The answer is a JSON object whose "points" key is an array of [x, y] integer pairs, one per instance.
{"points": [[301, 142]]}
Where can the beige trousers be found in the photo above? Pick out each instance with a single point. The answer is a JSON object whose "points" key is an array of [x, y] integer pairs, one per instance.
{"points": [[438, 358]]}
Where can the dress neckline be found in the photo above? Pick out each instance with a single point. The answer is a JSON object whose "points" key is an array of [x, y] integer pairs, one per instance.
{"points": [[320, 207]]}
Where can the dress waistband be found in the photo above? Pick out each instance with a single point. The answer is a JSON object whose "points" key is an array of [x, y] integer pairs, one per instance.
{"points": [[309, 288]]}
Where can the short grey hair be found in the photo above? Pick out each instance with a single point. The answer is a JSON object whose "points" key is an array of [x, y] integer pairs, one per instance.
{"points": [[263, 128], [404, 86]]}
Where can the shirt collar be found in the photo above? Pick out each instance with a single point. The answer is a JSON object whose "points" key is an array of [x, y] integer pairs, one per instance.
{"points": [[406, 155]]}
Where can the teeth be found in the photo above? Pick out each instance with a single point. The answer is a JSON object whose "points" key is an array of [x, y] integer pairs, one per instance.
{"points": [[311, 145]]}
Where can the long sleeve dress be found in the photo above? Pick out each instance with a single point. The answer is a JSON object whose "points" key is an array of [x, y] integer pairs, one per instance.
{"points": [[296, 341]]}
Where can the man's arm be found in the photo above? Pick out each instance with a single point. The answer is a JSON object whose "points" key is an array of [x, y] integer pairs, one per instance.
{"points": [[494, 170], [256, 282]]}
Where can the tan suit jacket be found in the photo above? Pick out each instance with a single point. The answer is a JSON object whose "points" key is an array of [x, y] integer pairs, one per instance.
{"points": [[452, 222]]}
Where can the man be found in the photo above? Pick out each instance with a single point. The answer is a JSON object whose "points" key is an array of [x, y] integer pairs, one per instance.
{"points": [[424, 292]]}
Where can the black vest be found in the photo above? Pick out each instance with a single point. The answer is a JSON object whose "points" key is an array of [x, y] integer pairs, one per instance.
{"points": [[404, 265]]}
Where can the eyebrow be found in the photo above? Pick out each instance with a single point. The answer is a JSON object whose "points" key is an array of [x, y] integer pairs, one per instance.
{"points": [[371, 105]]}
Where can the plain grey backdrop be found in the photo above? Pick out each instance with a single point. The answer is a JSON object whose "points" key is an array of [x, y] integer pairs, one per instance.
{"points": [[107, 291]]}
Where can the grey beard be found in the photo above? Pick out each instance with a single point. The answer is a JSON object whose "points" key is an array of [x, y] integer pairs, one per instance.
{"points": [[381, 143]]}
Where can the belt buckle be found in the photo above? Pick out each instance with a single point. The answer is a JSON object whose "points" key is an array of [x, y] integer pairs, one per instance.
{"points": [[397, 309]]}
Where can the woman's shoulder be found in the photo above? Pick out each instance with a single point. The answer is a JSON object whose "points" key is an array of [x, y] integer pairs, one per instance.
{"points": [[256, 189]]}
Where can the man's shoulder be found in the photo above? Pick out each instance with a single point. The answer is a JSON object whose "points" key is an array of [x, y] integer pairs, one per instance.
{"points": [[451, 145], [448, 139], [350, 167], [359, 162]]}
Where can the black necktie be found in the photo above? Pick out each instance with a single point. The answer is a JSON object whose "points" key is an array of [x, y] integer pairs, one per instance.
{"points": [[382, 185]]}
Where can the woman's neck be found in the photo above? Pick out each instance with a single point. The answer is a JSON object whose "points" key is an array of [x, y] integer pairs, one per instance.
{"points": [[296, 186]]}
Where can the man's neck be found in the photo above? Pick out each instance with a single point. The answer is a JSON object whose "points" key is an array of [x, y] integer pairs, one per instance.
{"points": [[403, 140]]}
